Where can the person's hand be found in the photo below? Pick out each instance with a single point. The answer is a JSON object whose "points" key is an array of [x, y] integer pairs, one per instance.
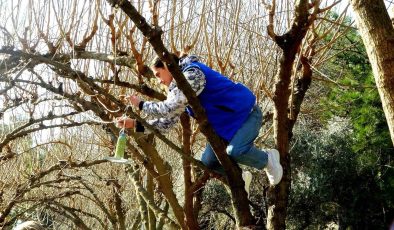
{"points": [[134, 100], [125, 122]]}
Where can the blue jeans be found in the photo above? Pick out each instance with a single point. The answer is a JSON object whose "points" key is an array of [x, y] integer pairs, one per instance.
{"points": [[241, 148]]}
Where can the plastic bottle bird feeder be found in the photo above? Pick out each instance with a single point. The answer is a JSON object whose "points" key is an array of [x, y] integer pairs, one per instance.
{"points": [[119, 150]]}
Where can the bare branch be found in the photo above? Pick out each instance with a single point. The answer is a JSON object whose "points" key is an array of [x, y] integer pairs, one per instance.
{"points": [[270, 27]]}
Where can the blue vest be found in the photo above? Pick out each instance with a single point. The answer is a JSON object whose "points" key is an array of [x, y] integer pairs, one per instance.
{"points": [[227, 104]]}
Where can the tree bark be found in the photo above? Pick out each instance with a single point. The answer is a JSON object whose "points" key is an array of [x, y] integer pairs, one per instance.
{"points": [[191, 219], [165, 181], [377, 32], [290, 44], [143, 194], [150, 190]]}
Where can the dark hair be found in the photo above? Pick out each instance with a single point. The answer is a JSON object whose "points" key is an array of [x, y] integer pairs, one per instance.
{"points": [[157, 63]]}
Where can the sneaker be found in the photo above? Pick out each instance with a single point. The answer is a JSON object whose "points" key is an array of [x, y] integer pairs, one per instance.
{"points": [[247, 177], [273, 169]]}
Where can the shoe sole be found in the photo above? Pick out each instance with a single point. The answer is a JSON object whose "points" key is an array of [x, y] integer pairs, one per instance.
{"points": [[276, 156]]}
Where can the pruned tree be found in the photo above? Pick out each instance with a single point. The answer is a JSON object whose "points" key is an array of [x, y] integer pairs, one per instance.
{"points": [[63, 66]]}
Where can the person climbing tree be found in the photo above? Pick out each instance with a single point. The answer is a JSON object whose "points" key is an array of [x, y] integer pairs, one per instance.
{"points": [[230, 107]]}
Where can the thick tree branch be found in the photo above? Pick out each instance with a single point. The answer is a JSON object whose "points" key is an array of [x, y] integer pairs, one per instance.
{"points": [[301, 86], [127, 61]]}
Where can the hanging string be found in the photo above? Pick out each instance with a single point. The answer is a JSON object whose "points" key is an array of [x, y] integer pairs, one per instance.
{"points": [[93, 119], [114, 10]]}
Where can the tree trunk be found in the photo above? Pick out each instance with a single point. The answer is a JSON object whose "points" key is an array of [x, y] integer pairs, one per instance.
{"points": [[151, 192], [165, 181], [377, 32], [143, 209], [191, 220], [290, 44]]}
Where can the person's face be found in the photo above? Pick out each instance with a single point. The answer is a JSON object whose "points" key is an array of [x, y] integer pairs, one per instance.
{"points": [[163, 74]]}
